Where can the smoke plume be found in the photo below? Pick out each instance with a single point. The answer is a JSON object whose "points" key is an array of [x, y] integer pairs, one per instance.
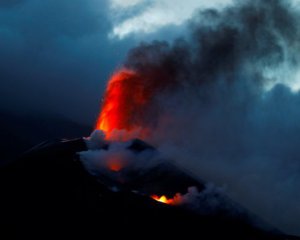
{"points": [[224, 102]]}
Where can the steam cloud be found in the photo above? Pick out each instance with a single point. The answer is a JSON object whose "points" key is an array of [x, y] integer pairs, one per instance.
{"points": [[229, 109], [226, 103], [120, 166]]}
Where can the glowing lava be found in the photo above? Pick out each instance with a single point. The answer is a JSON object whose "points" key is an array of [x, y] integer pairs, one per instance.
{"points": [[123, 103], [164, 199], [115, 166]]}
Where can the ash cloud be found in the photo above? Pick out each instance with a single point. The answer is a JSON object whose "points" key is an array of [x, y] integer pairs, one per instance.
{"points": [[229, 103]]}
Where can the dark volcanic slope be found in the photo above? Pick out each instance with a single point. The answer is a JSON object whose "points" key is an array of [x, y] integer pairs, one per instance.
{"points": [[48, 193], [21, 132]]}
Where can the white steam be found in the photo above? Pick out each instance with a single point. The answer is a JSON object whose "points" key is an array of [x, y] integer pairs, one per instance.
{"points": [[101, 155], [113, 162], [144, 16]]}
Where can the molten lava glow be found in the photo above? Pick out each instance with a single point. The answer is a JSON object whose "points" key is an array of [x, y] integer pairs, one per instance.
{"points": [[123, 101], [164, 199], [115, 165]]}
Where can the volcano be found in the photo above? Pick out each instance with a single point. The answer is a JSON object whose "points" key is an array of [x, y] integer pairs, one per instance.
{"points": [[49, 193]]}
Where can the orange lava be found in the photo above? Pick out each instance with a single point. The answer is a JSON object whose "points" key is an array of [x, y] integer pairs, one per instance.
{"points": [[114, 166], [164, 199], [123, 101]]}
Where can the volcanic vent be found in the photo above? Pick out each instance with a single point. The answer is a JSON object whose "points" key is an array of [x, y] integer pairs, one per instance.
{"points": [[119, 157]]}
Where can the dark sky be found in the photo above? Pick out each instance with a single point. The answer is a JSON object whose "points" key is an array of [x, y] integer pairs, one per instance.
{"points": [[55, 56]]}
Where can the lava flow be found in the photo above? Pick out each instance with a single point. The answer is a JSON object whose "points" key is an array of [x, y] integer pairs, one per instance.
{"points": [[115, 165], [123, 103], [163, 199]]}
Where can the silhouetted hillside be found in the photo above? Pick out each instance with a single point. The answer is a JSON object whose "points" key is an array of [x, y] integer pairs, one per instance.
{"points": [[21, 132], [48, 194]]}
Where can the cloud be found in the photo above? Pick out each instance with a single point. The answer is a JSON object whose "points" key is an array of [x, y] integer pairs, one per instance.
{"points": [[154, 15], [124, 3]]}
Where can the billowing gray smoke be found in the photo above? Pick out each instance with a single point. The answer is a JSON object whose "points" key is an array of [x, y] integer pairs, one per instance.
{"points": [[229, 103], [230, 109]]}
